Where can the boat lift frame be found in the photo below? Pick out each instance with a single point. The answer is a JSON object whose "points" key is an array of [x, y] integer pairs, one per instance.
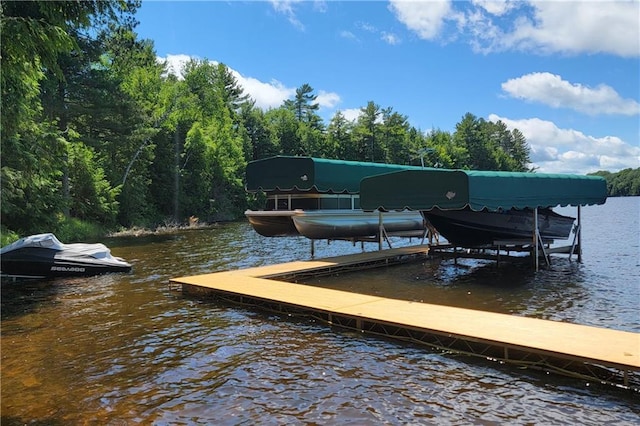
{"points": [[537, 246]]}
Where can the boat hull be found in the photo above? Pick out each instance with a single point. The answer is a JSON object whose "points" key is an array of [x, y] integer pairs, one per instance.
{"points": [[43, 262], [327, 224], [467, 228], [272, 223]]}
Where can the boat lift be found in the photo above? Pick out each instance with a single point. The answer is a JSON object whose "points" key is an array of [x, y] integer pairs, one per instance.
{"points": [[427, 233], [538, 246]]}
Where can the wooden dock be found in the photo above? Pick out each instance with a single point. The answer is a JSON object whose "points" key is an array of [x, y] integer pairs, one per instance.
{"points": [[589, 353]]}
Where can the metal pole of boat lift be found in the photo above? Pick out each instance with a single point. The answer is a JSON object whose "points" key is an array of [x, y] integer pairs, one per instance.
{"points": [[535, 236], [579, 235], [380, 229]]}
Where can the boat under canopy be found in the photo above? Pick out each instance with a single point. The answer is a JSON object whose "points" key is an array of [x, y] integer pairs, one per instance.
{"points": [[319, 198], [473, 208], [333, 224], [468, 228]]}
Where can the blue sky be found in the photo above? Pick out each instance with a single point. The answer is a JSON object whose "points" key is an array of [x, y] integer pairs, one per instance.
{"points": [[567, 74]]}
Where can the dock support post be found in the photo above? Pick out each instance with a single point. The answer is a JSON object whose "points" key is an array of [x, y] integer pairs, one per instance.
{"points": [[313, 248]]}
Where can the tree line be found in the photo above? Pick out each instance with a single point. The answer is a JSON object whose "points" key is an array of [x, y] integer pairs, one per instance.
{"points": [[623, 183], [97, 134]]}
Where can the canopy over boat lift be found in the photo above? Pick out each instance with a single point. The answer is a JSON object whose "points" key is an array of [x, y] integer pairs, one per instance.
{"points": [[429, 189], [302, 174]]}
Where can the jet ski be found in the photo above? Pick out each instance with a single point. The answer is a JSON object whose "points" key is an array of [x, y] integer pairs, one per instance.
{"points": [[43, 255]]}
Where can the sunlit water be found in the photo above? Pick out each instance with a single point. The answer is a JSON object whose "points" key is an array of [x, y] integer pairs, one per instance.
{"points": [[126, 349]]}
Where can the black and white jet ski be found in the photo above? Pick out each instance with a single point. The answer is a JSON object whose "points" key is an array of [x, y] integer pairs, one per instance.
{"points": [[43, 255]]}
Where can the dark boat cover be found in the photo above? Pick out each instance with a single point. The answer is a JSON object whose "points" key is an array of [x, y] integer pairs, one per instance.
{"points": [[478, 190]]}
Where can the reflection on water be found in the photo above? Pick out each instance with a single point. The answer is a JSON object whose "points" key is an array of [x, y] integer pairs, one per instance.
{"points": [[125, 349]]}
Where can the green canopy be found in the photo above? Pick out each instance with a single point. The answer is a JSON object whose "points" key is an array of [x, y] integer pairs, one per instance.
{"points": [[282, 173], [457, 189]]}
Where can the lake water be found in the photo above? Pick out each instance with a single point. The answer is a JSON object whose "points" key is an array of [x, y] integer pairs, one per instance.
{"points": [[125, 349]]}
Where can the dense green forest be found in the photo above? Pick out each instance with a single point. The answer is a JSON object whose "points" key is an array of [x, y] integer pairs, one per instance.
{"points": [[97, 136], [623, 183]]}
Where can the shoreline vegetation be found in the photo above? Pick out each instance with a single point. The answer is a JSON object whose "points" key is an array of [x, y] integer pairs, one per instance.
{"points": [[167, 228]]}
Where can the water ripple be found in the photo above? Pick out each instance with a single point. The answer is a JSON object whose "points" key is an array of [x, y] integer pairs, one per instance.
{"points": [[124, 349]]}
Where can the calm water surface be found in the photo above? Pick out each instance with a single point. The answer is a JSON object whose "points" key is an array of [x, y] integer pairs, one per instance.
{"points": [[126, 349]]}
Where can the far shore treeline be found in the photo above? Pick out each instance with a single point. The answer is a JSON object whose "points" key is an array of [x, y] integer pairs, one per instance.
{"points": [[97, 136]]}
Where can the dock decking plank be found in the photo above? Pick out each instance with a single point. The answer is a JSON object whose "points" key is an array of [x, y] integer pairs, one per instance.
{"points": [[350, 259]]}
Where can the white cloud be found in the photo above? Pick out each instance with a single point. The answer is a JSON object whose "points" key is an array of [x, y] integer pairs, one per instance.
{"points": [[544, 27], [556, 150], [267, 95], [424, 18], [320, 6], [286, 7], [580, 27], [175, 63], [552, 90], [327, 99], [495, 7], [365, 26], [349, 35], [351, 114], [390, 38]]}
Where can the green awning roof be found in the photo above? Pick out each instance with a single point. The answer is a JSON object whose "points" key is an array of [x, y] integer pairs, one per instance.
{"points": [[284, 173], [457, 189]]}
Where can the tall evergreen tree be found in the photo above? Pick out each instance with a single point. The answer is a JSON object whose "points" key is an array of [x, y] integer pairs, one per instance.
{"points": [[230, 90], [395, 129], [284, 130], [260, 143], [304, 105], [367, 134], [339, 142]]}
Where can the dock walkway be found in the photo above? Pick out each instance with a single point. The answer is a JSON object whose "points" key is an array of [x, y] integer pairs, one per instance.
{"points": [[590, 353]]}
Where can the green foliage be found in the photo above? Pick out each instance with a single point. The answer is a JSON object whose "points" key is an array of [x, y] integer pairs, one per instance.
{"points": [[490, 146], [338, 139], [31, 177], [259, 142], [284, 131], [71, 230], [92, 197], [7, 236], [213, 155], [623, 183]]}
